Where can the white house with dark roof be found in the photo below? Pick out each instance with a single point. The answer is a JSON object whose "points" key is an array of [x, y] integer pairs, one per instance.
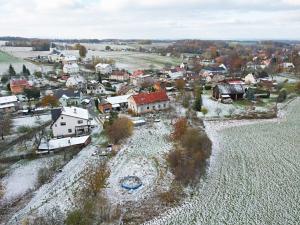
{"points": [[70, 121]]}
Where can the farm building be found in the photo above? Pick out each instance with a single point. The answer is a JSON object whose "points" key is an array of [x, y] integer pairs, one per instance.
{"points": [[63, 143], [118, 102], [8, 103], [148, 102], [70, 121], [225, 90]]}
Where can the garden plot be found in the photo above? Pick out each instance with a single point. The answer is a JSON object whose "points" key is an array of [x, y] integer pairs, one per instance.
{"points": [[253, 176], [140, 157]]}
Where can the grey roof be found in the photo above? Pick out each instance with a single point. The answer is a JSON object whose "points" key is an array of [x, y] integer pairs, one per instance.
{"points": [[231, 88], [55, 113], [70, 93]]}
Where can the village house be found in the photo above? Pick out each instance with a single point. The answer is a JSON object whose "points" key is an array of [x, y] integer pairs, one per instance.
{"points": [[104, 107], [18, 86], [176, 73], [71, 68], [214, 70], [9, 104], [76, 81], [70, 121], [141, 80], [127, 89], [68, 97], [229, 90], [69, 59], [148, 102], [103, 68], [95, 88], [119, 75]]}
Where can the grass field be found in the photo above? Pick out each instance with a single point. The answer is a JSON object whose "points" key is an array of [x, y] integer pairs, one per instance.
{"points": [[6, 58], [253, 177]]}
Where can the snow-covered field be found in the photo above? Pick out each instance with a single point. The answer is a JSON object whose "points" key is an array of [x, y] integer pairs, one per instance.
{"points": [[59, 193], [253, 176], [140, 157], [22, 178]]}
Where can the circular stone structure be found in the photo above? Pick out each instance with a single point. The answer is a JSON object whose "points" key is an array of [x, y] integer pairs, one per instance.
{"points": [[131, 183]]}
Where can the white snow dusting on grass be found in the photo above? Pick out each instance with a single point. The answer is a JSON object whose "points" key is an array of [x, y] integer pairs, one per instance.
{"points": [[139, 157], [253, 178]]}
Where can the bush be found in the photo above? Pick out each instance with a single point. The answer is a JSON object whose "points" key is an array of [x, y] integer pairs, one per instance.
{"points": [[282, 95], [179, 128], [24, 129], [188, 160], [43, 176], [207, 87], [119, 130]]}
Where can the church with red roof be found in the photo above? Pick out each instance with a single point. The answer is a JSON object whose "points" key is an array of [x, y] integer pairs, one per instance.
{"points": [[148, 102]]}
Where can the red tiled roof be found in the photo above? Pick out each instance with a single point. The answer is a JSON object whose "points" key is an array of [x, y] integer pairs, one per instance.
{"points": [[138, 73], [19, 82], [152, 97]]}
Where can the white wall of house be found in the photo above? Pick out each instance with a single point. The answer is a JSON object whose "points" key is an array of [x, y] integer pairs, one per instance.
{"points": [[140, 109], [59, 129]]}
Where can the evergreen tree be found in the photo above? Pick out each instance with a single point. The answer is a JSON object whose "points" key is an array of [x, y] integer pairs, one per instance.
{"points": [[198, 103], [24, 69], [11, 71]]}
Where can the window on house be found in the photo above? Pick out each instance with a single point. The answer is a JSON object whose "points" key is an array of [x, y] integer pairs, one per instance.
{"points": [[153, 107], [62, 117], [70, 130], [159, 106], [55, 125], [164, 105], [63, 124], [80, 121], [148, 107]]}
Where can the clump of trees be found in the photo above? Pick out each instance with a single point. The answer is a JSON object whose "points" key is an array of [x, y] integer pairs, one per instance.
{"points": [[118, 129], [192, 149]]}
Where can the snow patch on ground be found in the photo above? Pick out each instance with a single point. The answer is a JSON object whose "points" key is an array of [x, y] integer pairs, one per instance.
{"points": [[139, 157], [22, 178]]}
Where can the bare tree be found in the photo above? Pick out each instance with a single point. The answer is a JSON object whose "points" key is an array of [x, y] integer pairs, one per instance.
{"points": [[5, 125]]}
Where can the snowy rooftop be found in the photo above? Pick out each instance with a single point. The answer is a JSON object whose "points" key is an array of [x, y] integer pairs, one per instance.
{"points": [[118, 99], [63, 142], [75, 112], [102, 65], [8, 99]]}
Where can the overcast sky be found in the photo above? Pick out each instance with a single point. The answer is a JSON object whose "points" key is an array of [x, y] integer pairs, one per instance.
{"points": [[155, 19]]}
